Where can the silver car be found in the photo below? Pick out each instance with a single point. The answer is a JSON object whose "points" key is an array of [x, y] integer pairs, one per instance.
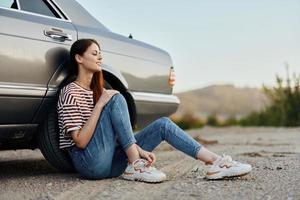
{"points": [[35, 38]]}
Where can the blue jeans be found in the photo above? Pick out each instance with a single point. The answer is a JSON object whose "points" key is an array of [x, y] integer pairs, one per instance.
{"points": [[104, 156]]}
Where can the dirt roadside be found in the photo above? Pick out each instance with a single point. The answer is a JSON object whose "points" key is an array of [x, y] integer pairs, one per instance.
{"points": [[274, 154]]}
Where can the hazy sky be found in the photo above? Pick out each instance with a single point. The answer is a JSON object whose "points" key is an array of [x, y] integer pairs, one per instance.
{"points": [[240, 42]]}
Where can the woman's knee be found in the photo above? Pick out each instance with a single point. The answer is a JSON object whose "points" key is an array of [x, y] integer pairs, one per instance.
{"points": [[119, 98], [164, 121], [165, 124]]}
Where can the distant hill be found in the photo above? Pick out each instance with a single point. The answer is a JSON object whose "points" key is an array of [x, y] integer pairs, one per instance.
{"points": [[222, 100]]}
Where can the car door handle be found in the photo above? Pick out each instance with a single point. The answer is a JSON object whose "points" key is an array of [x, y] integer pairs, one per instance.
{"points": [[58, 34]]}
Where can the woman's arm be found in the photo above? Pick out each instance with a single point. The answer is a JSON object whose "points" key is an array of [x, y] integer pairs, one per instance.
{"points": [[82, 137]]}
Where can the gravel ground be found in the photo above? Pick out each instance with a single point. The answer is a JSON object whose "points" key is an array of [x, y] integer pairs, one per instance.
{"points": [[274, 154]]}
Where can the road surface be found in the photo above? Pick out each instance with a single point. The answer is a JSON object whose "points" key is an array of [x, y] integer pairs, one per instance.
{"points": [[274, 154]]}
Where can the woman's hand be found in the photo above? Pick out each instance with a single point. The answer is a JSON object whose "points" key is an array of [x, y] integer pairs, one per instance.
{"points": [[149, 156], [106, 96]]}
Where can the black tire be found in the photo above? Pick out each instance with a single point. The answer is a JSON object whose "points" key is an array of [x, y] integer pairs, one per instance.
{"points": [[49, 144]]}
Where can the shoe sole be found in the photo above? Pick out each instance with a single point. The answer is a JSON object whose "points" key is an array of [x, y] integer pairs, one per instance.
{"points": [[130, 178], [228, 176]]}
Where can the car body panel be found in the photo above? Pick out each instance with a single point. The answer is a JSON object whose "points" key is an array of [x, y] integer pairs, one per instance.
{"points": [[28, 61]]}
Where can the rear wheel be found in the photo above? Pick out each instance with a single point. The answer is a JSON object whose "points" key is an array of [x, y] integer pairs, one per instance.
{"points": [[49, 144]]}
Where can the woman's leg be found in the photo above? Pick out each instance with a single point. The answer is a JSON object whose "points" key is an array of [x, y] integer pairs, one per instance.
{"points": [[164, 129], [158, 131], [120, 120], [95, 160]]}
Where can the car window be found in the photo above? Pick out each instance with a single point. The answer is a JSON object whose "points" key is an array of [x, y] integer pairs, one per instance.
{"points": [[8, 4], [38, 6]]}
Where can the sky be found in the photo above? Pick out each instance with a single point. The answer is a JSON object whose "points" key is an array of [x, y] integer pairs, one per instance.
{"points": [[239, 42]]}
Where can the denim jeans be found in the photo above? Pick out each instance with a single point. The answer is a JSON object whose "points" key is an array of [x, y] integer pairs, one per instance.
{"points": [[104, 156]]}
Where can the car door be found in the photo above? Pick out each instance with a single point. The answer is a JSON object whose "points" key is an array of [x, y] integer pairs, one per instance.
{"points": [[35, 37]]}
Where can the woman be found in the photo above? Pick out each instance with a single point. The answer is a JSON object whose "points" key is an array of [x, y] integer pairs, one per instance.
{"points": [[95, 129]]}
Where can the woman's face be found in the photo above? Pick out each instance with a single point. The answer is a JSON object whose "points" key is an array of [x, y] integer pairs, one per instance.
{"points": [[91, 58]]}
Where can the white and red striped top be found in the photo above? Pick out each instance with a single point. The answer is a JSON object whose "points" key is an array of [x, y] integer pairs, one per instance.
{"points": [[74, 107]]}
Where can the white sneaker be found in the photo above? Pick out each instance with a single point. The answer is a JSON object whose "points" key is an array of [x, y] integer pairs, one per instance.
{"points": [[140, 170], [226, 167]]}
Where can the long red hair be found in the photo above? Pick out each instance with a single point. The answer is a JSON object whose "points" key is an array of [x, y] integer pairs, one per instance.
{"points": [[79, 47]]}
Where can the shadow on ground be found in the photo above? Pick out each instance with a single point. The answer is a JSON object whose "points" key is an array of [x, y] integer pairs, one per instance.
{"points": [[28, 168]]}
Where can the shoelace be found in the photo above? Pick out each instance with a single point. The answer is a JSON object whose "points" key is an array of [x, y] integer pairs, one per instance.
{"points": [[142, 163], [227, 160]]}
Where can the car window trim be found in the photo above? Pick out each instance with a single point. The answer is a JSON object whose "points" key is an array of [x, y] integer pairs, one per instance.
{"points": [[56, 6], [53, 9], [18, 5], [35, 14], [50, 6]]}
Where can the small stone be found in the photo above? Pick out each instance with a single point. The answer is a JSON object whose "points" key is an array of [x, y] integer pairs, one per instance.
{"points": [[268, 168]]}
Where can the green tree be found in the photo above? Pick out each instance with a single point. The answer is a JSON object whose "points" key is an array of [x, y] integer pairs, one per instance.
{"points": [[230, 121], [284, 109], [188, 121], [212, 120]]}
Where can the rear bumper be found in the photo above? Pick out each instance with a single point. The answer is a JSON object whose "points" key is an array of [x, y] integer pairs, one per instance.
{"points": [[150, 106]]}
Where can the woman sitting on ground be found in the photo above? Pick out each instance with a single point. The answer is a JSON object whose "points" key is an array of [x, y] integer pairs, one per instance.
{"points": [[95, 129]]}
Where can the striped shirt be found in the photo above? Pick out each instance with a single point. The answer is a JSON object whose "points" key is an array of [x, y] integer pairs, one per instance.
{"points": [[74, 107]]}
